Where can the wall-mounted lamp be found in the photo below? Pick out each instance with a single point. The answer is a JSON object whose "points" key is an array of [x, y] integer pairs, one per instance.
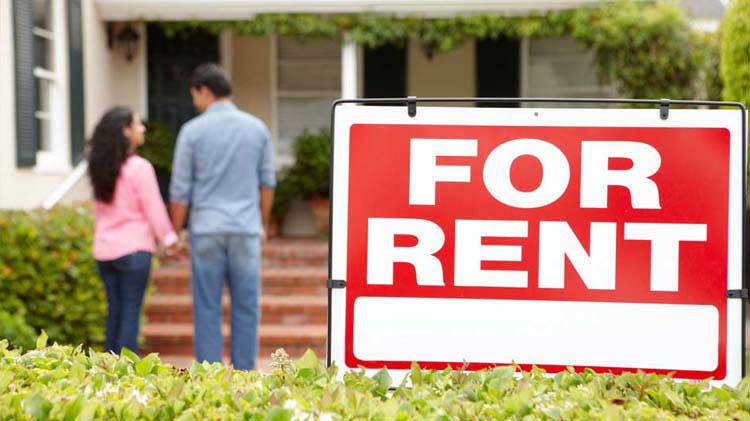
{"points": [[128, 38], [429, 50]]}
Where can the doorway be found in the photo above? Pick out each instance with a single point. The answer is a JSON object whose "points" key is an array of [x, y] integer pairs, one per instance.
{"points": [[498, 69], [171, 62]]}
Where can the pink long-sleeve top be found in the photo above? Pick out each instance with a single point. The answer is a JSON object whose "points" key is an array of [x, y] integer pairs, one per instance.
{"points": [[137, 213]]}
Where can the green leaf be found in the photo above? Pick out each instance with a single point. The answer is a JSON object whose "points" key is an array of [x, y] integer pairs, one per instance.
{"points": [[470, 395], [41, 341], [196, 369], [186, 416], [278, 414], [416, 374], [501, 376], [74, 409], [309, 361], [89, 411], [5, 378], [36, 406], [145, 366], [176, 390], [124, 352], [383, 379]]}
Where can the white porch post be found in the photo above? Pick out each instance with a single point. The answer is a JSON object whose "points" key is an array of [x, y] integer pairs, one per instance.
{"points": [[349, 71], [226, 51]]}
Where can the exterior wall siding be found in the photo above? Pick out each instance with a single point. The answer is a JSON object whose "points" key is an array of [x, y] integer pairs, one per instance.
{"points": [[252, 69], [128, 78], [7, 98], [309, 80], [449, 74]]}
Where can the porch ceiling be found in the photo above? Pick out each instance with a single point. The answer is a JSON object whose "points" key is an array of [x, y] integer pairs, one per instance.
{"points": [[120, 10]]}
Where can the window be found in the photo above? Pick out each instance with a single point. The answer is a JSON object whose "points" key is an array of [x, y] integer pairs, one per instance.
{"points": [[560, 67], [50, 74], [43, 68], [42, 84], [309, 80]]}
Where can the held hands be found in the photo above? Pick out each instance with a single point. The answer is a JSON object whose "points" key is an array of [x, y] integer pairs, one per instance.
{"points": [[176, 250]]}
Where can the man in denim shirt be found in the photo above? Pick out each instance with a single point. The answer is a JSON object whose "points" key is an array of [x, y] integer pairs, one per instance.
{"points": [[223, 172]]}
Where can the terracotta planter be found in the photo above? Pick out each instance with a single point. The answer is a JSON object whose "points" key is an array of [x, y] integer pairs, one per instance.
{"points": [[320, 208]]}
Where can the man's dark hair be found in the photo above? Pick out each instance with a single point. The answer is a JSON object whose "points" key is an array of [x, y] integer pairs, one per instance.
{"points": [[212, 77]]}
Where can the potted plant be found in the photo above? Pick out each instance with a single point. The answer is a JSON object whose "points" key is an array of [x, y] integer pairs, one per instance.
{"points": [[307, 178]]}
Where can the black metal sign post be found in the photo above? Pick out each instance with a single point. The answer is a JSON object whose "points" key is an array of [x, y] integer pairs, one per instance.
{"points": [[663, 108]]}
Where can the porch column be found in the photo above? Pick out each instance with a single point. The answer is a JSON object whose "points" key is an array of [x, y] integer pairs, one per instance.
{"points": [[349, 71]]}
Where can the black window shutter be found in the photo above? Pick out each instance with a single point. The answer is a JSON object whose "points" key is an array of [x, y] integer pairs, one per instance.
{"points": [[27, 138], [75, 74]]}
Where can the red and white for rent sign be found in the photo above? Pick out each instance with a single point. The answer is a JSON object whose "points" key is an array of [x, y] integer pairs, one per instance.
{"points": [[551, 237]]}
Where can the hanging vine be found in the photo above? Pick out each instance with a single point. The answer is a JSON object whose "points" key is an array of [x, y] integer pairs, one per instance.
{"points": [[645, 49]]}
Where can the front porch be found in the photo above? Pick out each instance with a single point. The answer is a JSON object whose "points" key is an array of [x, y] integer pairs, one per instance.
{"points": [[290, 84]]}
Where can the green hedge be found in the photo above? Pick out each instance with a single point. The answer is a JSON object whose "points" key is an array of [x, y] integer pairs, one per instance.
{"points": [[735, 52], [14, 329], [48, 276], [65, 383]]}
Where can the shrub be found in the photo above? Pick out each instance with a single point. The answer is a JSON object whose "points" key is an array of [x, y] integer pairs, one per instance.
{"points": [[48, 276], [159, 146], [647, 51], [735, 52], [14, 329], [710, 84], [307, 178], [62, 382]]}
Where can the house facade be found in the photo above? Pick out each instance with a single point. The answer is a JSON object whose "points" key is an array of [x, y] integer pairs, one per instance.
{"points": [[64, 62]]}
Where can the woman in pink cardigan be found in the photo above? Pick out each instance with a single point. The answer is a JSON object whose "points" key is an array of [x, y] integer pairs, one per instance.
{"points": [[129, 212]]}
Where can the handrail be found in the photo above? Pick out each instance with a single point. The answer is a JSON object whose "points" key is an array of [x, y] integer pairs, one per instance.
{"points": [[78, 172]]}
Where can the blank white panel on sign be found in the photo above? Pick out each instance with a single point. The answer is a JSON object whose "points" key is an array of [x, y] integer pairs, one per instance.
{"points": [[601, 334]]}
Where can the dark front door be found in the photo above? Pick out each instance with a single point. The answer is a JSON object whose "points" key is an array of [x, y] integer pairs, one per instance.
{"points": [[170, 63], [497, 67], [385, 72]]}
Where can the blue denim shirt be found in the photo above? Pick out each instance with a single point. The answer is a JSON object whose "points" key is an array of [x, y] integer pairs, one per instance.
{"points": [[222, 159]]}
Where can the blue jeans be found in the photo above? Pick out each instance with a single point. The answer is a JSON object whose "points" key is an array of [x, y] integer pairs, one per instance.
{"points": [[125, 281], [236, 259]]}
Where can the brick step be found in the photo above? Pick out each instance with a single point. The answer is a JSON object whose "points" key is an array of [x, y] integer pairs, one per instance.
{"points": [[279, 252], [295, 252], [275, 309], [177, 339], [306, 280]]}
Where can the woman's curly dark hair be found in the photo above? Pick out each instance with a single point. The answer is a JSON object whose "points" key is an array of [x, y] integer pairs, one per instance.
{"points": [[108, 149]]}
